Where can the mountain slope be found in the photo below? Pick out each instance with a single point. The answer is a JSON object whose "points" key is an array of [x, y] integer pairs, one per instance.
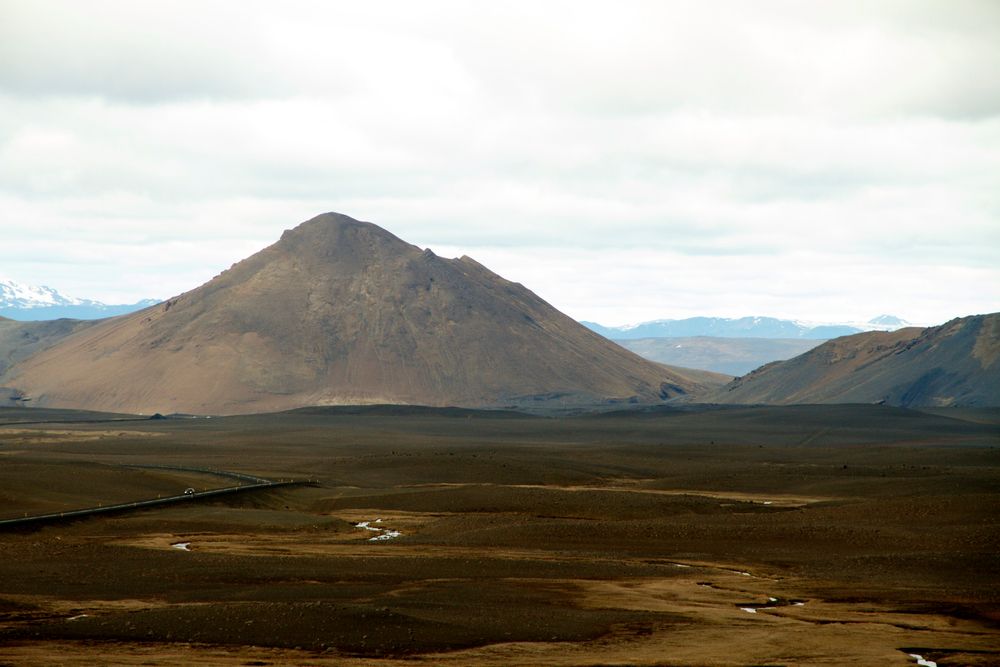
{"points": [[340, 311], [955, 364], [20, 340]]}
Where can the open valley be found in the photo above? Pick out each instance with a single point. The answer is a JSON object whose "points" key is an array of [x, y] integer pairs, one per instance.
{"points": [[727, 536]]}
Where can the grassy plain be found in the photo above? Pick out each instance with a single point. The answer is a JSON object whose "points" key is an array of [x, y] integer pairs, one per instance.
{"points": [[736, 536]]}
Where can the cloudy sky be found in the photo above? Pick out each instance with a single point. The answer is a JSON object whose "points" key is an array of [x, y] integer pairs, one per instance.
{"points": [[827, 161]]}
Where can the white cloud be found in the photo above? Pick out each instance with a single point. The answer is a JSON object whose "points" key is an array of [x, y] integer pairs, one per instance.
{"points": [[766, 158]]}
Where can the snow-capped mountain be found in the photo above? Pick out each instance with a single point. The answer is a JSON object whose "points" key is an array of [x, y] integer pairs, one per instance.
{"points": [[19, 295], [19, 301], [888, 323], [743, 327]]}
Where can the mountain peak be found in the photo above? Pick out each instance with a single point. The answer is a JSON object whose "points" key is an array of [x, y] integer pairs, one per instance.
{"points": [[19, 295], [332, 228], [334, 237], [888, 321]]}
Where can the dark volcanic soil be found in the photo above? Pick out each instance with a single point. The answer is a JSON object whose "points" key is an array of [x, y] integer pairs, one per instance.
{"points": [[801, 535]]}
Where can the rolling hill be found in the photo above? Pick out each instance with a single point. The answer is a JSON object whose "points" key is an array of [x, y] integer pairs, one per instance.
{"points": [[955, 364]]}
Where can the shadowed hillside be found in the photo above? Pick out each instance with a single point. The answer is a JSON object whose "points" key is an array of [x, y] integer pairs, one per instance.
{"points": [[20, 340], [955, 364]]}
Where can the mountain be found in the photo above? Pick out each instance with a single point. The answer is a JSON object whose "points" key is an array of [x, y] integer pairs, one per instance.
{"points": [[955, 364], [723, 327], [30, 303], [341, 312], [732, 356], [19, 295], [887, 323]]}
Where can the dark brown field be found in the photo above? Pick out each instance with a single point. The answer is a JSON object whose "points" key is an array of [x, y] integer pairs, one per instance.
{"points": [[740, 536]]}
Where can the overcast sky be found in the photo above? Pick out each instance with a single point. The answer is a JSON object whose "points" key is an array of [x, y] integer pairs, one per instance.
{"points": [[827, 161]]}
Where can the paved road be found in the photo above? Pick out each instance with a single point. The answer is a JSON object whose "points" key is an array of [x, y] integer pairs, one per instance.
{"points": [[255, 484]]}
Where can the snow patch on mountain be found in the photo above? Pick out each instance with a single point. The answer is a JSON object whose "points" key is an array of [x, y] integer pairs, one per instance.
{"points": [[890, 322], [18, 295], [20, 301]]}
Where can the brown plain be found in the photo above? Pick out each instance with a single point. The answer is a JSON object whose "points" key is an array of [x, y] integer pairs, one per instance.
{"points": [[636, 538]]}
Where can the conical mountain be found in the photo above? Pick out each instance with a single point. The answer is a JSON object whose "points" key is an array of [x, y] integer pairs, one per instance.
{"points": [[337, 312]]}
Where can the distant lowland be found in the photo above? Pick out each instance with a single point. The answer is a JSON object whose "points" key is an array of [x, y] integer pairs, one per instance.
{"points": [[731, 356], [734, 346], [742, 327], [342, 312]]}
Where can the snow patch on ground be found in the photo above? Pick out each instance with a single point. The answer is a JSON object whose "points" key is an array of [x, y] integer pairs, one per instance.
{"points": [[183, 546], [920, 660], [383, 533], [772, 603], [387, 535]]}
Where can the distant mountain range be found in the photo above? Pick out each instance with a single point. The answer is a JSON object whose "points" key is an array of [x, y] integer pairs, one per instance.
{"points": [[743, 327], [19, 301]]}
